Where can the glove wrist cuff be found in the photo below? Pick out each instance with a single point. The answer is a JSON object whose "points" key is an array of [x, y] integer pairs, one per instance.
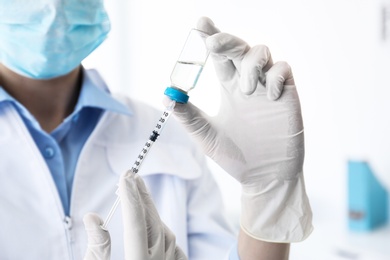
{"points": [[279, 213]]}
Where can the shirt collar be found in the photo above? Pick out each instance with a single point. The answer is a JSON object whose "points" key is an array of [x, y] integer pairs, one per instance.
{"points": [[7, 98], [4, 96], [95, 93]]}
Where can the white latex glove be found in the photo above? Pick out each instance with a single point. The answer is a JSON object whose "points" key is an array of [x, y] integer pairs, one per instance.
{"points": [[257, 136], [99, 241], [145, 236]]}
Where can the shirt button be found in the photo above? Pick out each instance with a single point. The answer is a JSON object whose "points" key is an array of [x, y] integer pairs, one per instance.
{"points": [[49, 152]]}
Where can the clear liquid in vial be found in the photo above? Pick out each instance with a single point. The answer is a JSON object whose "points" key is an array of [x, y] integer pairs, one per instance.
{"points": [[186, 74]]}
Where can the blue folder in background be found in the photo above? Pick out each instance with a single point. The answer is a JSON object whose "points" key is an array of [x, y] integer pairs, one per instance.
{"points": [[367, 198]]}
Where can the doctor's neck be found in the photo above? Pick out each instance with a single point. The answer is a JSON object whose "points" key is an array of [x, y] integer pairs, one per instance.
{"points": [[49, 101]]}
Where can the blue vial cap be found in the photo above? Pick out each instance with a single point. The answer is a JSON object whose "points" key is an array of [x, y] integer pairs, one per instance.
{"points": [[176, 95]]}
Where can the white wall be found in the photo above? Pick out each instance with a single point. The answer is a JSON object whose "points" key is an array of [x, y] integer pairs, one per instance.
{"points": [[339, 60]]}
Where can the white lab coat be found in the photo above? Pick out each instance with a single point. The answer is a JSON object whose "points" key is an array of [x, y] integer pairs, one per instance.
{"points": [[32, 220]]}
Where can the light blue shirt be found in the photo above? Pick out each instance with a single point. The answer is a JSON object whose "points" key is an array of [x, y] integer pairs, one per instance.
{"points": [[62, 147]]}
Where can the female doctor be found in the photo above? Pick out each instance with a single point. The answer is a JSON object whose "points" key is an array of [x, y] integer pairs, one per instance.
{"points": [[65, 140]]}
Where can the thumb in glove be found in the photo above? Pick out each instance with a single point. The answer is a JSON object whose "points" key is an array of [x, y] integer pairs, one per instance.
{"points": [[99, 241]]}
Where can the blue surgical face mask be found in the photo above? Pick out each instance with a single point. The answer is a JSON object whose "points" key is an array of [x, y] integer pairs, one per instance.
{"points": [[44, 39]]}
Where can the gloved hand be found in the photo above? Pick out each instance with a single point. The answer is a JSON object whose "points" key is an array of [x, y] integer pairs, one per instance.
{"points": [[145, 236], [257, 136]]}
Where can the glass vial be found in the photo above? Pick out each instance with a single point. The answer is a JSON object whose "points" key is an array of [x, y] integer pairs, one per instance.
{"points": [[188, 67]]}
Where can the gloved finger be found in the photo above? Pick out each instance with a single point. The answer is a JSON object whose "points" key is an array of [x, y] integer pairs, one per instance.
{"points": [[154, 225], [197, 123], [202, 128], [170, 243], [278, 76], [172, 251], [224, 67], [179, 254], [206, 25], [256, 63], [227, 51], [227, 45], [134, 222], [142, 224], [99, 242]]}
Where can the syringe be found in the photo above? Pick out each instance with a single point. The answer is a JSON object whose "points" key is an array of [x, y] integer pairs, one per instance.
{"points": [[184, 77], [141, 157]]}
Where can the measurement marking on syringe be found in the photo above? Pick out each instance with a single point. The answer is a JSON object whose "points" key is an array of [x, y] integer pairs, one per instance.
{"points": [[142, 155]]}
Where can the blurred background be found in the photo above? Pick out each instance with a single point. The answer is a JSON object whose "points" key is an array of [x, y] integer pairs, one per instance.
{"points": [[339, 51]]}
